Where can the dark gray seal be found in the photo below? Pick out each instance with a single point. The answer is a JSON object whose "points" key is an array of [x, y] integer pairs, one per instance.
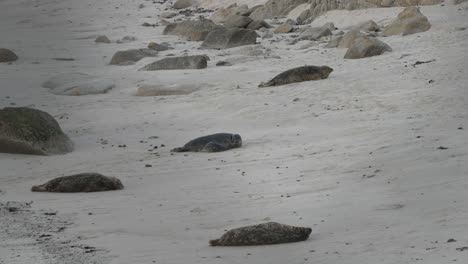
{"points": [[212, 143], [83, 182], [262, 234], [299, 74]]}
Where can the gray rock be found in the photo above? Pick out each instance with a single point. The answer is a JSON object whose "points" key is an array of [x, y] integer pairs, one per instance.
{"points": [[212, 143], [178, 63], [127, 57], [222, 14], [228, 38], [364, 47], [409, 21], [262, 234], [83, 182], [84, 87], [158, 47], [368, 26], [276, 8], [284, 28], [334, 42], [181, 4], [7, 55], [30, 131], [102, 39], [167, 14], [192, 30], [126, 39], [315, 33], [75, 84], [257, 24], [223, 63], [237, 21], [349, 38]]}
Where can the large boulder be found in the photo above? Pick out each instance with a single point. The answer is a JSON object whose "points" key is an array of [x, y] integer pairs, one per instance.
{"points": [[276, 8], [222, 14], [409, 21], [315, 33], [192, 30], [284, 28], [257, 24], [128, 57], [76, 84], [30, 131], [229, 38], [300, 13], [237, 21], [349, 38], [366, 47], [368, 26], [178, 63], [7, 55]]}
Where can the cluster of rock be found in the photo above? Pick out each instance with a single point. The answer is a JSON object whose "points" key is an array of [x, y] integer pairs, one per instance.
{"points": [[361, 40], [303, 11]]}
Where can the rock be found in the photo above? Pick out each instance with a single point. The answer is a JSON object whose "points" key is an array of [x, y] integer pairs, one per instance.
{"points": [[284, 28], [178, 63], [83, 182], [7, 55], [368, 26], [181, 4], [262, 234], [222, 14], [86, 87], [30, 131], [223, 63], [237, 21], [192, 30], [228, 38], [366, 47], [409, 21], [257, 24], [276, 8], [157, 90], [315, 33], [102, 39], [330, 26], [76, 84], [299, 13], [126, 39], [334, 42], [349, 38], [158, 47], [127, 57], [167, 14]]}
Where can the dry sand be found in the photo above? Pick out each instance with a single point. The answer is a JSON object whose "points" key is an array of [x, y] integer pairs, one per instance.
{"points": [[356, 156]]}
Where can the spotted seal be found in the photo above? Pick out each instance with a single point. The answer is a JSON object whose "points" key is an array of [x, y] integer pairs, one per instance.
{"points": [[83, 182], [212, 143], [299, 74], [262, 234]]}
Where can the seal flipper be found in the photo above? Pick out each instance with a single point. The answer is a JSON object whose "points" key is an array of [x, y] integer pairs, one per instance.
{"points": [[181, 149], [214, 147]]}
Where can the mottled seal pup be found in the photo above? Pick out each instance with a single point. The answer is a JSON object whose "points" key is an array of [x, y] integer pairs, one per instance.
{"points": [[262, 234], [299, 74], [212, 143], [84, 182]]}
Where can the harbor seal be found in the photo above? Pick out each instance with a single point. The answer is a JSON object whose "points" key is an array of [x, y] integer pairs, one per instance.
{"points": [[262, 234], [299, 74], [83, 182], [212, 143]]}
